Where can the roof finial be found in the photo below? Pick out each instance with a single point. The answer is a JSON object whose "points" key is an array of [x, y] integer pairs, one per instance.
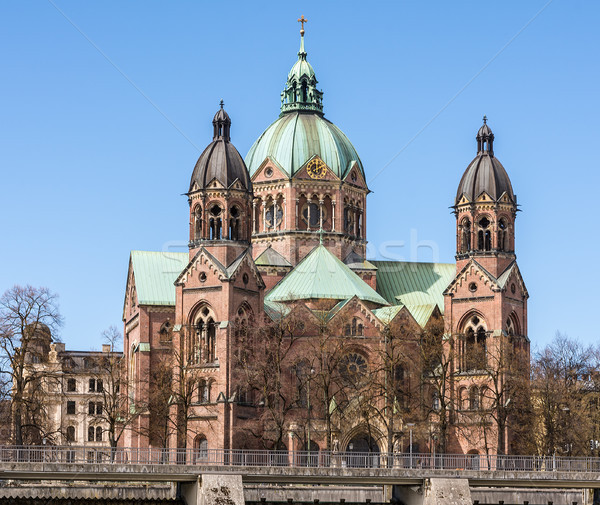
{"points": [[484, 119], [302, 52], [302, 20], [221, 104]]}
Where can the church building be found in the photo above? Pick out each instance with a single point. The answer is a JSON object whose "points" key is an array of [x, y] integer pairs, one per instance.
{"points": [[273, 329]]}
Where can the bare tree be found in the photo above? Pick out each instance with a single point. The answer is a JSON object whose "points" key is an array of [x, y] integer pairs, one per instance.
{"points": [[565, 385], [437, 355], [393, 386], [29, 318], [263, 370], [107, 370]]}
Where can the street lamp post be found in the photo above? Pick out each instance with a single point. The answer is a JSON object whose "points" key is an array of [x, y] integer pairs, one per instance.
{"points": [[410, 440]]}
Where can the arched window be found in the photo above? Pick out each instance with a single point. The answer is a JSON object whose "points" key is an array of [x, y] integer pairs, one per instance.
{"points": [[474, 402], [302, 374], [304, 91], [165, 331], [463, 399], [273, 213], [355, 328], [484, 237], [235, 226], [465, 243], [202, 345], [198, 223], [311, 214], [200, 448], [91, 433], [204, 390], [215, 223], [71, 434], [98, 433], [474, 346], [435, 401], [502, 235]]}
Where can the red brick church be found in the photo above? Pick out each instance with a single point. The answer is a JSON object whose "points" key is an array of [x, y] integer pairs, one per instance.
{"points": [[274, 329]]}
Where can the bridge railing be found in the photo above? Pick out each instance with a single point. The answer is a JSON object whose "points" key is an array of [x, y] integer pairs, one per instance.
{"points": [[297, 459]]}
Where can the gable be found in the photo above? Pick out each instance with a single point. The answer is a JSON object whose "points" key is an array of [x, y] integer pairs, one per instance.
{"points": [[473, 273], [354, 175], [512, 275], [328, 174], [269, 170]]}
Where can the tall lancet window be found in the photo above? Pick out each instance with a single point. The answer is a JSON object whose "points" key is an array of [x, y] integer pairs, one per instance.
{"points": [[198, 223], [465, 240]]}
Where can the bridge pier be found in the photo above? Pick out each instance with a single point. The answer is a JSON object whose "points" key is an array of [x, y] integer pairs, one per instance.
{"points": [[214, 489], [435, 492]]}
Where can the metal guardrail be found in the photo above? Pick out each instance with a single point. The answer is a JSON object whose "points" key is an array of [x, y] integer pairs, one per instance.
{"points": [[297, 459]]}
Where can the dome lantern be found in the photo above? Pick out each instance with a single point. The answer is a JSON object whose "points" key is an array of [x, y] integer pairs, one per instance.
{"points": [[300, 92], [221, 125], [485, 139]]}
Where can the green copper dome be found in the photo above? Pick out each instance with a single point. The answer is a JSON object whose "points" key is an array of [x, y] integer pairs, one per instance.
{"points": [[301, 132], [296, 137]]}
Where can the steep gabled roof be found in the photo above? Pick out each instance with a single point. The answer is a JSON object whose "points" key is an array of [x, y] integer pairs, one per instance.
{"points": [[154, 273], [321, 275], [414, 283]]}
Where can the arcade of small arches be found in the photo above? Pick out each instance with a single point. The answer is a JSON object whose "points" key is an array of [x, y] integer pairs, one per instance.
{"points": [[218, 222], [312, 212], [480, 235]]}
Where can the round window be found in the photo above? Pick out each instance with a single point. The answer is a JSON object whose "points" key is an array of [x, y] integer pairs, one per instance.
{"points": [[353, 176], [268, 172], [202, 276], [472, 287], [513, 288], [245, 278]]}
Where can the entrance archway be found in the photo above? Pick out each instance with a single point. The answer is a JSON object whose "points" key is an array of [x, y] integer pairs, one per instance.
{"points": [[362, 452]]}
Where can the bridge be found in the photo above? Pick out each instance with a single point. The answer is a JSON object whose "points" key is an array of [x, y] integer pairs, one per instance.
{"points": [[199, 471]]}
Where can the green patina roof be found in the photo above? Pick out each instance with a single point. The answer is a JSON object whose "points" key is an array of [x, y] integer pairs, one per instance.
{"points": [[270, 257], [386, 314], [296, 137], [321, 275], [155, 272], [414, 284]]}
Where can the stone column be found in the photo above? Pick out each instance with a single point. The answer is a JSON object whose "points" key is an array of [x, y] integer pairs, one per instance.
{"points": [[264, 215], [308, 215], [253, 216], [321, 214], [332, 215], [297, 214]]}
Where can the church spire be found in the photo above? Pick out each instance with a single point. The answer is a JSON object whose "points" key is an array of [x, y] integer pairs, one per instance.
{"points": [[300, 92]]}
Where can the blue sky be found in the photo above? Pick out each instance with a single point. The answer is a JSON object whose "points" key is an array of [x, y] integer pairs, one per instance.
{"points": [[107, 105]]}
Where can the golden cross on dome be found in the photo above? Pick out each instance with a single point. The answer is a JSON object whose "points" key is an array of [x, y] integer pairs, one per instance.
{"points": [[302, 20]]}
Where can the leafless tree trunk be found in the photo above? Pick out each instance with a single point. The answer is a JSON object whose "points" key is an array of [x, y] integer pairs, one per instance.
{"points": [[29, 318]]}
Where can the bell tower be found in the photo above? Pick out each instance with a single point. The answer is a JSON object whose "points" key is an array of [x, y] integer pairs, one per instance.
{"points": [[486, 303], [220, 197], [485, 210]]}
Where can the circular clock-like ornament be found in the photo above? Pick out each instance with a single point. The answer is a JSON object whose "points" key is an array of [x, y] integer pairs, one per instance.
{"points": [[316, 169], [353, 367]]}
